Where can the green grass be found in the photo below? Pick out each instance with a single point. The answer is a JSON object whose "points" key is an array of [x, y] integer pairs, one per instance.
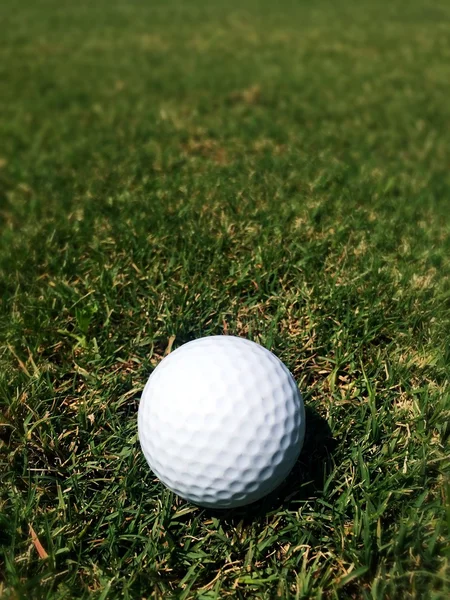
{"points": [[274, 170]]}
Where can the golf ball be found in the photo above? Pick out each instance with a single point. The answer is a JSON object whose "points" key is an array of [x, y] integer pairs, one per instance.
{"points": [[221, 421]]}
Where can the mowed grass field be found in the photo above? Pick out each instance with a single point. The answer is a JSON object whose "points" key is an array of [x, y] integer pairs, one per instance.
{"points": [[273, 170]]}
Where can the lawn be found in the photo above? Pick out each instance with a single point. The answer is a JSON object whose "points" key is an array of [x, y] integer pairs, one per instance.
{"points": [[273, 170]]}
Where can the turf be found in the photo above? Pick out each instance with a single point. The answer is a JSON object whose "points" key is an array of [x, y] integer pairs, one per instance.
{"points": [[274, 170]]}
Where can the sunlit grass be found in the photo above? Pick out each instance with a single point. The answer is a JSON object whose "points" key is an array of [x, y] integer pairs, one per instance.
{"points": [[277, 171]]}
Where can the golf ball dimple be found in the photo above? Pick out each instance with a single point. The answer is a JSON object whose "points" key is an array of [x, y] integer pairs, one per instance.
{"points": [[221, 421]]}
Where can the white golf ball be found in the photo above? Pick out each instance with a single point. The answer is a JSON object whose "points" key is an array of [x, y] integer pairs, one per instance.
{"points": [[221, 421]]}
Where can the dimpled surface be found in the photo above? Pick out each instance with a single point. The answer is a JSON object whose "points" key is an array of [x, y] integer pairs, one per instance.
{"points": [[221, 421]]}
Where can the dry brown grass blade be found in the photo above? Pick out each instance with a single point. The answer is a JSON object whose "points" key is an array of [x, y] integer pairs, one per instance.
{"points": [[37, 544], [168, 350], [21, 364]]}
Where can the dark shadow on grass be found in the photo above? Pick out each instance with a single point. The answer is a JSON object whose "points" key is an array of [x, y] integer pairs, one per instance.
{"points": [[305, 482]]}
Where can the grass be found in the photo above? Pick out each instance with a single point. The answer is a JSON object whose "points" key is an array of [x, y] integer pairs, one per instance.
{"points": [[278, 171]]}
